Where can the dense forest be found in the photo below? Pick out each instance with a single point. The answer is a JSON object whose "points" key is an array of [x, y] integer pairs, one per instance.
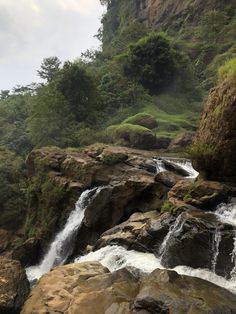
{"points": [[141, 83]]}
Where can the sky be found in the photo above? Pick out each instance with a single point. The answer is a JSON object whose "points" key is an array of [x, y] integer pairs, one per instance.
{"points": [[31, 30]]}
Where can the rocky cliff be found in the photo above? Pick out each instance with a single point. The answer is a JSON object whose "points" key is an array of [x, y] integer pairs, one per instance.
{"points": [[214, 147]]}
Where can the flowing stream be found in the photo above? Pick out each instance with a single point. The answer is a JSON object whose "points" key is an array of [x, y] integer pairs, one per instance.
{"points": [[62, 245]]}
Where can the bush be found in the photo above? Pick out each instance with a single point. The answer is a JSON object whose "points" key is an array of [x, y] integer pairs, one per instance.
{"points": [[228, 70], [143, 119], [114, 158], [151, 62], [133, 136]]}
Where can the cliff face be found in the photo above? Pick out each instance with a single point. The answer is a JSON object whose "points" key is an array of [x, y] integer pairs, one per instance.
{"points": [[159, 14], [162, 13], [216, 136]]}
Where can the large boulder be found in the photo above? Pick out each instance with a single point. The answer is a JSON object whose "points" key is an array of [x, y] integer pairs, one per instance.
{"points": [[192, 241], [143, 119], [214, 149], [14, 286], [205, 195], [90, 288]]}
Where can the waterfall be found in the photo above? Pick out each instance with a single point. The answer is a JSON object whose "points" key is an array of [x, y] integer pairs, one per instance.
{"points": [[183, 163], [62, 245], [174, 228], [160, 167], [215, 249]]}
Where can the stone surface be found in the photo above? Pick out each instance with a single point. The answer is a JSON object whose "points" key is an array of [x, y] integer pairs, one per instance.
{"points": [[14, 286], [168, 178], [180, 142], [28, 253], [142, 232], [205, 195], [89, 288], [192, 243], [215, 142]]}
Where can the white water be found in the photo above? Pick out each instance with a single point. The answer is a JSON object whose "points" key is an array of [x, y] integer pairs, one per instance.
{"points": [[117, 257], [176, 227], [61, 247], [215, 249], [183, 163]]}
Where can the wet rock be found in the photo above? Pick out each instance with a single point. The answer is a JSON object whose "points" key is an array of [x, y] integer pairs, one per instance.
{"points": [[192, 243], [28, 253], [142, 232], [14, 286], [162, 142], [205, 195]]}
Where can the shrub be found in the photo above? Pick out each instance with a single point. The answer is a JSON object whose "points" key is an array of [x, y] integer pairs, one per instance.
{"points": [[114, 158], [133, 135], [228, 70], [143, 119]]}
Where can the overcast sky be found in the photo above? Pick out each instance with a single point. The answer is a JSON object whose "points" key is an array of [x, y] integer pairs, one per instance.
{"points": [[31, 30]]}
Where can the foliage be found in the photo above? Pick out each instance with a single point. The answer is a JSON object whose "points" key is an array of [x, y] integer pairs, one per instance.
{"points": [[143, 119], [151, 62], [114, 158], [49, 68], [167, 207], [12, 189], [228, 70], [50, 122]]}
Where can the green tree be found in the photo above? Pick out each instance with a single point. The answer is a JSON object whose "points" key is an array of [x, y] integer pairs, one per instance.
{"points": [[151, 62], [79, 90], [49, 68], [50, 122]]}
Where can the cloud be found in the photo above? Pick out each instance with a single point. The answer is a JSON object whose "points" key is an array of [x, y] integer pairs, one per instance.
{"points": [[31, 30]]}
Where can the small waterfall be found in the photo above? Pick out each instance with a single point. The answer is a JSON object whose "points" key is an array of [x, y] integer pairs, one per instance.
{"points": [[183, 163], [215, 249], [174, 228], [62, 245], [160, 167], [233, 259]]}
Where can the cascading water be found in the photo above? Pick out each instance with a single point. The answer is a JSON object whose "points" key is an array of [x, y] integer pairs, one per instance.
{"points": [[183, 163], [117, 257], [62, 245], [215, 249]]}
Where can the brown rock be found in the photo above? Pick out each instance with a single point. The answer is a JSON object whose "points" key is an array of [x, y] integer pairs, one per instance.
{"points": [[89, 288], [168, 178], [214, 149], [205, 195], [180, 142], [28, 253], [14, 286]]}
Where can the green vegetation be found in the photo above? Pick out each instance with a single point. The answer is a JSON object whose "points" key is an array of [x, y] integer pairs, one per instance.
{"points": [[167, 207], [114, 158], [12, 190], [228, 70], [144, 119]]}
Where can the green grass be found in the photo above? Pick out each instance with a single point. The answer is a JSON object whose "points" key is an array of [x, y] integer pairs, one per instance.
{"points": [[228, 70]]}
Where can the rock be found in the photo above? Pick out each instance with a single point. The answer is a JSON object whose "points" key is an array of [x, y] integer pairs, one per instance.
{"points": [[214, 147], [28, 253], [90, 288], [162, 142], [192, 243], [6, 238], [168, 178], [205, 195], [180, 142], [143, 232], [165, 291], [82, 288], [116, 203], [14, 286]]}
